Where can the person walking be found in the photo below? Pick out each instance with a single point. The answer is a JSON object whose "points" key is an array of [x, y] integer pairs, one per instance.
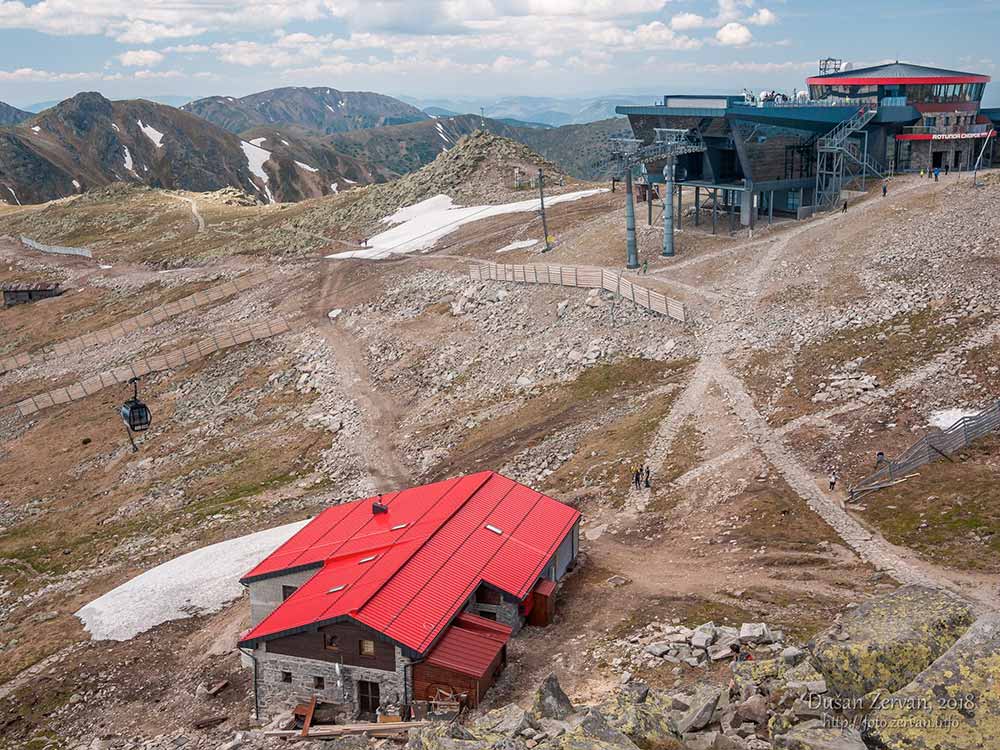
{"points": [[647, 477], [937, 173], [637, 477], [833, 481], [645, 267], [885, 187], [946, 166], [844, 209]]}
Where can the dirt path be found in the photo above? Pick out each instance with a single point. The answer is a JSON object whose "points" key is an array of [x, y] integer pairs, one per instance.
{"points": [[195, 213], [380, 414], [711, 368]]}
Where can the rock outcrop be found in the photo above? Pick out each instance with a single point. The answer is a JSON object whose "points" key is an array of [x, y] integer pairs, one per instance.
{"points": [[952, 705], [889, 640]]}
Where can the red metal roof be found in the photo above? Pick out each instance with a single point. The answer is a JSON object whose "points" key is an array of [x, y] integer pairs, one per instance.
{"points": [[896, 73], [468, 647], [407, 572]]}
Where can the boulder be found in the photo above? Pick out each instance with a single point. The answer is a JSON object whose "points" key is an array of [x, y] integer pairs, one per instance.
{"points": [[954, 704], [503, 722], [591, 732], [444, 736], [887, 641], [643, 718], [550, 701], [815, 735], [753, 709], [793, 654], [702, 708], [755, 632]]}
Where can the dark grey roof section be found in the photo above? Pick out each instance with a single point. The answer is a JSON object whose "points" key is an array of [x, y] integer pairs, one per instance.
{"points": [[29, 286], [895, 70]]}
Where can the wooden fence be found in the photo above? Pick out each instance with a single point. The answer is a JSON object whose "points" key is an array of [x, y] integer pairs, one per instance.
{"points": [[931, 447], [215, 342], [143, 320], [581, 276]]}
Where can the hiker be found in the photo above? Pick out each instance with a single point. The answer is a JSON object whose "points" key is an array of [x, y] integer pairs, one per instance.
{"points": [[937, 172], [946, 170], [645, 267], [638, 477], [885, 187], [833, 481], [844, 209], [921, 174], [647, 477]]}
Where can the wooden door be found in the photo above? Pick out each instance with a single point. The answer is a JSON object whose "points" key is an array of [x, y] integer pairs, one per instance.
{"points": [[368, 697]]}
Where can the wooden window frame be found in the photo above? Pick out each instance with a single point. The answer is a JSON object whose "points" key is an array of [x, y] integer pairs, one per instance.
{"points": [[331, 642], [319, 682], [361, 648]]}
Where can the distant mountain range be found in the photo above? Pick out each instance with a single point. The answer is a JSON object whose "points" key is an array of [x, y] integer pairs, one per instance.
{"points": [[552, 111], [89, 141], [322, 110], [285, 144], [12, 115], [173, 101]]}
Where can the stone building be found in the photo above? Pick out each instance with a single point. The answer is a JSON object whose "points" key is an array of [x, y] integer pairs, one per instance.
{"points": [[409, 596], [19, 293]]}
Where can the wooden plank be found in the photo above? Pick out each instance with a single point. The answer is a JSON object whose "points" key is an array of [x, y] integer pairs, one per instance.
{"points": [[309, 717]]}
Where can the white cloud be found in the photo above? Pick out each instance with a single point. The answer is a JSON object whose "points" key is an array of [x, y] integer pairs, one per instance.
{"points": [[30, 74], [687, 22], [140, 58], [734, 35], [763, 17], [150, 74]]}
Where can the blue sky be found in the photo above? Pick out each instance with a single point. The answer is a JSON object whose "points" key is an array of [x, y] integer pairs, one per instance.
{"points": [[439, 48]]}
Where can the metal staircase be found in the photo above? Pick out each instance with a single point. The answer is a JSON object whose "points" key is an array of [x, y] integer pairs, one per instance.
{"points": [[842, 156]]}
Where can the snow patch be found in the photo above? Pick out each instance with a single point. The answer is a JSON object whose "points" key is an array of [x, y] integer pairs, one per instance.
{"points": [[945, 418], [306, 167], [421, 225], [128, 160], [256, 158], [518, 245], [199, 582], [350, 182], [116, 128], [331, 109], [285, 142], [36, 129], [152, 133], [76, 184], [257, 141], [14, 194], [333, 187]]}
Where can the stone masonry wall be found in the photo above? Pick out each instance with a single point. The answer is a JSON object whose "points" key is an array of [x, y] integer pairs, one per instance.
{"points": [[265, 595], [275, 695]]}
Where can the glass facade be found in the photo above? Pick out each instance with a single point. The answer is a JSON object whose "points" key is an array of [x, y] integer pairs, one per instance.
{"points": [[936, 93], [776, 153]]}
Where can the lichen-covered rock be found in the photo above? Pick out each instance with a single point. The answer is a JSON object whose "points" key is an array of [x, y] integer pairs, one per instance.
{"points": [[591, 732], [643, 717], [889, 640], [815, 735], [750, 676], [507, 721], [952, 705], [444, 736], [550, 701]]}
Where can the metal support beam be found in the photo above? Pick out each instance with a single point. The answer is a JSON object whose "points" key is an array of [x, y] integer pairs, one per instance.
{"points": [[770, 208], [649, 203], [668, 207], [680, 205], [715, 211], [697, 205], [630, 247]]}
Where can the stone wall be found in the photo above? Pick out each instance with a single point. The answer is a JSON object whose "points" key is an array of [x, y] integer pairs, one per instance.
{"points": [[506, 612], [265, 595], [274, 695], [922, 154]]}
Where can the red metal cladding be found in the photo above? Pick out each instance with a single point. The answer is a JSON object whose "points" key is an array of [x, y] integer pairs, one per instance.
{"points": [[467, 649], [407, 572], [892, 81]]}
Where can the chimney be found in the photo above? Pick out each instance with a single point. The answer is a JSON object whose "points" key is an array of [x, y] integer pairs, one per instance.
{"points": [[379, 507]]}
